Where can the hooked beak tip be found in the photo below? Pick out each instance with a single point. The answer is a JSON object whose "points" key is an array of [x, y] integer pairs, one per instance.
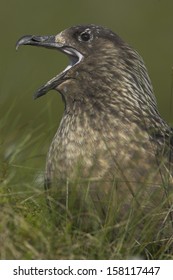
{"points": [[24, 40], [42, 41]]}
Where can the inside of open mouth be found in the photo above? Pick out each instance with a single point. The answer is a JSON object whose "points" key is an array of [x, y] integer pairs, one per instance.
{"points": [[75, 58], [74, 55]]}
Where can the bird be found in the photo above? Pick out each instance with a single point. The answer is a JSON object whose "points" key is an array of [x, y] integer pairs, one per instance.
{"points": [[111, 132]]}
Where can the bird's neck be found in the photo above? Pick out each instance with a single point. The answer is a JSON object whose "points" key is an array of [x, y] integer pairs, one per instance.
{"points": [[100, 105]]}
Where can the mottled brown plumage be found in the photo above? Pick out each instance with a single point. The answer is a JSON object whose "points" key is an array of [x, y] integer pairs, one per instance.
{"points": [[111, 129]]}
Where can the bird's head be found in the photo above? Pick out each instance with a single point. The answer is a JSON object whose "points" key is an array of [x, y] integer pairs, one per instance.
{"points": [[99, 60]]}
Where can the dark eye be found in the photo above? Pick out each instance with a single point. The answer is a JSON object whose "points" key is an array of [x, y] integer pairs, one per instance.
{"points": [[85, 36]]}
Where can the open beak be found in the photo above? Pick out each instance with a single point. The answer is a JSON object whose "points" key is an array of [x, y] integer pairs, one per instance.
{"points": [[52, 42]]}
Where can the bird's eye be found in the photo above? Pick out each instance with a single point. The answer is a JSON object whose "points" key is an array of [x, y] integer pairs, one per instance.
{"points": [[85, 36]]}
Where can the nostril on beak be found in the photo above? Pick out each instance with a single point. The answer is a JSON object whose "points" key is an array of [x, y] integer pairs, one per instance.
{"points": [[40, 38]]}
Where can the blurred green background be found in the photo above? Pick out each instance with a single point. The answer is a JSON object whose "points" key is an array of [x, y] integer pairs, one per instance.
{"points": [[147, 25], [27, 127]]}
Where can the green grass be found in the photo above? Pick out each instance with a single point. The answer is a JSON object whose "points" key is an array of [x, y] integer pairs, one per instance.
{"points": [[28, 230]]}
